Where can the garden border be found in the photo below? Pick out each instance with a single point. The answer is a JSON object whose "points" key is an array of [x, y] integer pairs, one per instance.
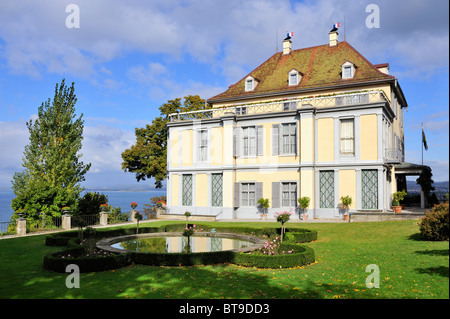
{"points": [[301, 256]]}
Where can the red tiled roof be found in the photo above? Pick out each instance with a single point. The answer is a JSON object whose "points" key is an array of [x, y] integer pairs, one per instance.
{"points": [[320, 66]]}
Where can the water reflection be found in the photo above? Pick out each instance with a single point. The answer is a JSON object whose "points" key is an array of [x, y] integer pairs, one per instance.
{"points": [[177, 244]]}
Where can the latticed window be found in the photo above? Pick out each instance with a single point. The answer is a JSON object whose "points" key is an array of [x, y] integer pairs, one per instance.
{"points": [[369, 192], [216, 244], [288, 194], [288, 139], [187, 190], [217, 189], [248, 194], [326, 184], [347, 137]]}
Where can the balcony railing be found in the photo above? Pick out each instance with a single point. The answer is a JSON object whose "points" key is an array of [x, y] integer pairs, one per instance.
{"points": [[393, 155], [352, 98]]}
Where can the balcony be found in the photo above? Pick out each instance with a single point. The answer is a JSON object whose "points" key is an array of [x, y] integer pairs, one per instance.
{"points": [[393, 155], [332, 100]]}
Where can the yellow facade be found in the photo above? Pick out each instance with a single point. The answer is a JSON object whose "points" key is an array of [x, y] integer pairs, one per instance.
{"points": [[307, 186], [217, 146], [347, 185], [201, 184], [368, 137], [174, 149], [325, 140], [306, 139], [174, 189], [187, 149]]}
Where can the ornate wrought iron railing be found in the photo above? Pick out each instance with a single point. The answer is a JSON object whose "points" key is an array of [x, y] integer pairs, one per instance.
{"points": [[332, 100]]}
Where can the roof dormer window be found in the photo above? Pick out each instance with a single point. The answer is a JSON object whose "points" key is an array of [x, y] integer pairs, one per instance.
{"points": [[348, 70], [250, 84], [294, 77]]}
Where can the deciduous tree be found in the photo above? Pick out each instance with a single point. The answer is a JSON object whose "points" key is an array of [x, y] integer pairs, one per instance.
{"points": [[147, 158]]}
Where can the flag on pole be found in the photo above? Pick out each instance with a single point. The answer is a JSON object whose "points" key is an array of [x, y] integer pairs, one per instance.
{"points": [[337, 25], [290, 34], [424, 140]]}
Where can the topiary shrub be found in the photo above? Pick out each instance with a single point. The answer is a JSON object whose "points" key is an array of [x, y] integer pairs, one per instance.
{"points": [[435, 225]]}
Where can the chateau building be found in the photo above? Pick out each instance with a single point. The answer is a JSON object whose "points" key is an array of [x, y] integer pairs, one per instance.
{"points": [[321, 122]]}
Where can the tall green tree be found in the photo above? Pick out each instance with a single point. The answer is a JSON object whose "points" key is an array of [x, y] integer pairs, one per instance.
{"points": [[52, 168], [147, 158]]}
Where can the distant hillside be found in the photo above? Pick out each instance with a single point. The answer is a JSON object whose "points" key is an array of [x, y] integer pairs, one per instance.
{"points": [[440, 187]]}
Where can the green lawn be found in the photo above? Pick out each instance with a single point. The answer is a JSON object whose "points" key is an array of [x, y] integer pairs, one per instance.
{"points": [[409, 268]]}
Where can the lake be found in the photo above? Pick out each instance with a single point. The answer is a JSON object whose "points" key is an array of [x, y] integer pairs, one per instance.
{"points": [[120, 199]]}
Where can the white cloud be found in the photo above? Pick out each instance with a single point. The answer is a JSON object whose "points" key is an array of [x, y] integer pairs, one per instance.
{"points": [[229, 34], [103, 146]]}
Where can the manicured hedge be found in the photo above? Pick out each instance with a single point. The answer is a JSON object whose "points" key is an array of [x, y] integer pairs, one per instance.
{"points": [[75, 254], [183, 259], [300, 256]]}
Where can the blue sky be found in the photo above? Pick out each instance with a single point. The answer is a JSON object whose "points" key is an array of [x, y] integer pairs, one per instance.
{"points": [[128, 57]]}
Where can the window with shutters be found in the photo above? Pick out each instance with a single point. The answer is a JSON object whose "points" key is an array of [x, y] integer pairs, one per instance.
{"points": [[326, 189], [249, 141], [217, 189], [248, 194], [202, 145], [288, 194], [187, 190], [347, 137], [288, 139]]}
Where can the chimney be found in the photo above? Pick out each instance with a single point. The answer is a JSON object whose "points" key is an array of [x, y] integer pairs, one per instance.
{"points": [[333, 38], [287, 45]]}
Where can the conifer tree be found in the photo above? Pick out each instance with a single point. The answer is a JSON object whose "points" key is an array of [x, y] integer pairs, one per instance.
{"points": [[52, 168]]}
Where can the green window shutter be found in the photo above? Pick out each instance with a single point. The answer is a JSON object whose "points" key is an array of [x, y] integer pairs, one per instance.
{"points": [[276, 195]]}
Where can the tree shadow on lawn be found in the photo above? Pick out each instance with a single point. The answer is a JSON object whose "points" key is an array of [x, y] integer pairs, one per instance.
{"points": [[197, 282], [441, 271]]}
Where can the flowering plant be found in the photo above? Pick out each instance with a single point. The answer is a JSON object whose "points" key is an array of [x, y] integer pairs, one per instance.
{"points": [[161, 203], [103, 207], [65, 208], [133, 205], [189, 231], [272, 248], [283, 217]]}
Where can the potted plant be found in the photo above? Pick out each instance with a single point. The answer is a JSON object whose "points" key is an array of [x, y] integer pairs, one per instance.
{"points": [[346, 202], [396, 198], [103, 207], [133, 205], [263, 205], [65, 210], [304, 204], [161, 204]]}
